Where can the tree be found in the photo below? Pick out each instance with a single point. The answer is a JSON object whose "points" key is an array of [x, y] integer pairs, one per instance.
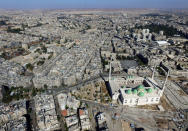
{"points": [[34, 92], [88, 27], [44, 49], [3, 54], [45, 86], [168, 30], [2, 22], [37, 50], [41, 62], [66, 107], [178, 67], [6, 96], [29, 66], [50, 56], [9, 30]]}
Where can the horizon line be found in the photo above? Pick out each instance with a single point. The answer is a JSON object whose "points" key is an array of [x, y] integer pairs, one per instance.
{"points": [[91, 8]]}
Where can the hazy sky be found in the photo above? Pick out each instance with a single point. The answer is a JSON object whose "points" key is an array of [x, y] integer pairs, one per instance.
{"points": [[36, 4]]}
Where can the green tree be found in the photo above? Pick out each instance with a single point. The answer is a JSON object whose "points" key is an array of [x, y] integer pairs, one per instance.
{"points": [[34, 92], [44, 49], [29, 66]]}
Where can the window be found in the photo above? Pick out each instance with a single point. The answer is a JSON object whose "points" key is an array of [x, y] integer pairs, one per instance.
{"points": [[152, 100], [157, 99], [125, 101]]}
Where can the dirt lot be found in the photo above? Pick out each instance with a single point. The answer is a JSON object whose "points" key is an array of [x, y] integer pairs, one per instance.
{"points": [[94, 91], [162, 123], [163, 101], [113, 125], [165, 124], [166, 105], [151, 107], [126, 126], [182, 93]]}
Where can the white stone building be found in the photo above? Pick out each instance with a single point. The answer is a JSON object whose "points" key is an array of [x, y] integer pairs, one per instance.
{"points": [[135, 90], [141, 95]]}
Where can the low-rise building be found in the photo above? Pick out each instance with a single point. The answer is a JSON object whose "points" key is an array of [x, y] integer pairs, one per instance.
{"points": [[162, 43], [12, 116], [84, 119], [101, 122], [46, 116]]}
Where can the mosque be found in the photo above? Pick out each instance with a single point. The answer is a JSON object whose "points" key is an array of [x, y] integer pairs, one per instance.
{"points": [[135, 90]]}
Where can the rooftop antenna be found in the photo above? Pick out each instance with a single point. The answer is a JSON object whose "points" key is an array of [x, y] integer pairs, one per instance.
{"points": [[153, 72]]}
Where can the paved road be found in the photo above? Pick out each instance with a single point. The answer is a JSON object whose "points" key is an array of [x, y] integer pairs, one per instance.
{"points": [[80, 84], [61, 89], [172, 92], [134, 115]]}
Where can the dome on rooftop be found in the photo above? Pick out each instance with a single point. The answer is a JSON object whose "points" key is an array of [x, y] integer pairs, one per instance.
{"points": [[149, 90], [135, 91], [140, 88], [141, 94], [129, 91]]}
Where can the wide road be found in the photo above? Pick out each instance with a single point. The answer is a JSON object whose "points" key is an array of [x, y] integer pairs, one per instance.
{"points": [[134, 115], [80, 84], [173, 93]]}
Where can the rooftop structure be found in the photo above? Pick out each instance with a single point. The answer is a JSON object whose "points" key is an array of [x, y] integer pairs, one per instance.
{"points": [[11, 74], [162, 43], [15, 125], [12, 116], [101, 121], [69, 101], [62, 100], [101, 118], [12, 111], [71, 120]]}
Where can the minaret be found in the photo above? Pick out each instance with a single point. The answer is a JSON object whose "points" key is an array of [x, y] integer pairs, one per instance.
{"points": [[153, 72], [166, 79], [164, 85], [110, 71]]}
